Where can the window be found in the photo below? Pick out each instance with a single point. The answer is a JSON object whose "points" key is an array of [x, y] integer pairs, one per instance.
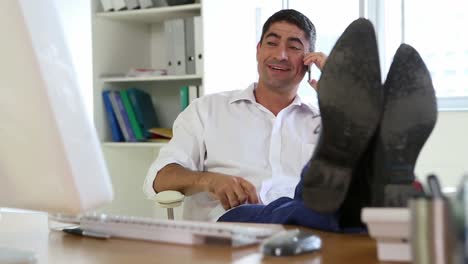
{"points": [[330, 22], [439, 34], [435, 28]]}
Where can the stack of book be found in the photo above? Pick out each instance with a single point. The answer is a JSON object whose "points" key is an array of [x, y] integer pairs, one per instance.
{"points": [[131, 114], [391, 228]]}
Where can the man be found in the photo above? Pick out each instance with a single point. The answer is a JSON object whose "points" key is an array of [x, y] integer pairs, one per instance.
{"points": [[371, 136], [246, 146]]}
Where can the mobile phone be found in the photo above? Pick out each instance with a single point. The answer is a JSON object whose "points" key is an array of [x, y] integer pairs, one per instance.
{"points": [[308, 71]]}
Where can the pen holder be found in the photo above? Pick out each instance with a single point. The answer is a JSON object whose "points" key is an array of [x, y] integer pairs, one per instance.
{"points": [[419, 229], [441, 242], [460, 226], [432, 232]]}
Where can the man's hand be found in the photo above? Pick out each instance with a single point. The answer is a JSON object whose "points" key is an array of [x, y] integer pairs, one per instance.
{"points": [[317, 58], [231, 191]]}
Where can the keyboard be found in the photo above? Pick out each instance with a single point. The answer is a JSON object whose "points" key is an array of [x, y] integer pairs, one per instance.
{"points": [[176, 231]]}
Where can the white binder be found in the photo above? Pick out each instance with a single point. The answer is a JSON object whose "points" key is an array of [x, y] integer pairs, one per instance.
{"points": [[194, 45], [132, 4], [107, 5], [119, 4], [159, 3], [146, 4], [175, 37], [193, 93], [152, 3], [169, 47]]}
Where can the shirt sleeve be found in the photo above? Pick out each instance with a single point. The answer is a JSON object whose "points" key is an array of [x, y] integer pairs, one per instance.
{"points": [[186, 148]]}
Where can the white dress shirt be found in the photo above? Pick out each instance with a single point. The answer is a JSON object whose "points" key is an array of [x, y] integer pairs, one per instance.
{"points": [[231, 133]]}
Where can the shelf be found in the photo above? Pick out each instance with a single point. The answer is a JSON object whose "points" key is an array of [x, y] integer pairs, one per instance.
{"points": [[162, 78], [134, 144], [153, 15]]}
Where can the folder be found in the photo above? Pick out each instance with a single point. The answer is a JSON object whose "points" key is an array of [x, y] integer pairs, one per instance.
{"points": [[114, 126], [132, 4], [125, 4], [159, 3], [192, 93], [169, 47], [144, 110], [119, 4], [135, 126], [175, 40], [121, 114], [194, 45], [184, 97], [180, 2], [152, 3], [107, 5]]}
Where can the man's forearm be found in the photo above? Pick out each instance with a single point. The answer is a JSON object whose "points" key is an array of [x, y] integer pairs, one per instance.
{"points": [[231, 191], [177, 178]]}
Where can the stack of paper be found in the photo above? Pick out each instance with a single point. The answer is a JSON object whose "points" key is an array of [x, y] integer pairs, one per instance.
{"points": [[391, 228]]}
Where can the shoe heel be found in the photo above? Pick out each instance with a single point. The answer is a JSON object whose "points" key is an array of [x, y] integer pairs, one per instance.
{"points": [[326, 191]]}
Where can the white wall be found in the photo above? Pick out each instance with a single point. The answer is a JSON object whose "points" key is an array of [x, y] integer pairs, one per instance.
{"points": [[446, 151]]}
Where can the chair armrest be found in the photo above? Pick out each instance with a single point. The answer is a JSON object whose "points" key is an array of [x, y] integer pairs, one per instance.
{"points": [[169, 199]]}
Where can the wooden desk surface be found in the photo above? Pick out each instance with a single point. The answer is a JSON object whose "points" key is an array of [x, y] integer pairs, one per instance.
{"points": [[29, 231]]}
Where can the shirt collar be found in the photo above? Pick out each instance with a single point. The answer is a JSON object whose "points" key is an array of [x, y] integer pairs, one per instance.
{"points": [[248, 95], [245, 95]]}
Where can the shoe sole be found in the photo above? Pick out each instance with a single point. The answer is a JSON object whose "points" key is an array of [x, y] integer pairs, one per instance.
{"points": [[410, 114], [350, 101]]}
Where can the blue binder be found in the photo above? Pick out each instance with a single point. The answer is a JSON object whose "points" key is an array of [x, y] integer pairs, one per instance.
{"points": [[114, 126]]}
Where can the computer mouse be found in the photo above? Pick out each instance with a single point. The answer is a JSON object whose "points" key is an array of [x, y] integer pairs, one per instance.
{"points": [[290, 242]]}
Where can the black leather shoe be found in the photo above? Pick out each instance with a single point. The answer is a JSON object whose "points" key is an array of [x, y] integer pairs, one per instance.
{"points": [[385, 174], [350, 101], [410, 114], [359, 192]]}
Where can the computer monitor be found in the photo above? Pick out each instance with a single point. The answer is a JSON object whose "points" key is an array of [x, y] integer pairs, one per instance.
{"points": [[50, 156]]}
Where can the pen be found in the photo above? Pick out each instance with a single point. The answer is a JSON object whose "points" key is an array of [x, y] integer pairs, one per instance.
{"points": [[434, 186], [80, 232]]}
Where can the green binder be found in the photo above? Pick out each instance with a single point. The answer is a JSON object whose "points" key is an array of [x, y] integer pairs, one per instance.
{"points": [[131, 115], [184, 97]]}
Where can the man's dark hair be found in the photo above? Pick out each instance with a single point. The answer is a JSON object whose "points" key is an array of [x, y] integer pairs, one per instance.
{"points": [[296, 18]]}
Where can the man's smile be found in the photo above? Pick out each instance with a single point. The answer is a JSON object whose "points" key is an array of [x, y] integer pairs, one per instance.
{"points": [[278, 67]]}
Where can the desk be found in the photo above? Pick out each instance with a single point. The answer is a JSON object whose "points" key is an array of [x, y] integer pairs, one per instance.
{"points": [[29, 231]]}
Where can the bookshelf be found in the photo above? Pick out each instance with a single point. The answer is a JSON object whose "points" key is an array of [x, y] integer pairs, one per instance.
{"points": [[135, 39]]}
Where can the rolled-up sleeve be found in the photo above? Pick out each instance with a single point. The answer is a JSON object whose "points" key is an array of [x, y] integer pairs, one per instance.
{"points": [[186, 148]]}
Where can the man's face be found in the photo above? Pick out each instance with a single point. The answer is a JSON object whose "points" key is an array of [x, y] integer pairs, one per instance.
{"points": [[280, 56]]}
